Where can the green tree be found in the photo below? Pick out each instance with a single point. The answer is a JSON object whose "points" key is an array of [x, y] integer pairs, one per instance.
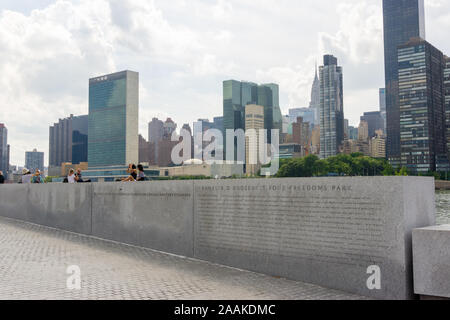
{"points": [[402, 172]]}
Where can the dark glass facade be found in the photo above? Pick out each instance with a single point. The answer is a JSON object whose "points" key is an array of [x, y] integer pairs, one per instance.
{"points": [[447, 100], [80, 127], [237, 95], [403, 20], [421, 105]]}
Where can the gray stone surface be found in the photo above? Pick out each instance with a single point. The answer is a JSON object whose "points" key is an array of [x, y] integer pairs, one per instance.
{"points": [[66, 207], [155, 215], [326, 231], [432, 261], [34, 260]]}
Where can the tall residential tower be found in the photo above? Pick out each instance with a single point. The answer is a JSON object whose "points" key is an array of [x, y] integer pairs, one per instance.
{"points": [[422, 108], [403, 20], [69, 141], [331, 107]]}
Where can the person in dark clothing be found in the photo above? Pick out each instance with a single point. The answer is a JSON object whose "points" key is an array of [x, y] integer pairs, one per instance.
{"points": [[79, 177], [2, 178], [133, 173]]}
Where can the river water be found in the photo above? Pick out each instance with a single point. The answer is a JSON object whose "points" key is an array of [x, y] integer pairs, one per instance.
{"points": [[443, 207]]}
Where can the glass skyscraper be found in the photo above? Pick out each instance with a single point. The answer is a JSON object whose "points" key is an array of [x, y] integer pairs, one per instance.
{"points": [[113, 119], [422, 110], [80, 128], [331, 107], [447, 99], [403, 20], [237, 95]]}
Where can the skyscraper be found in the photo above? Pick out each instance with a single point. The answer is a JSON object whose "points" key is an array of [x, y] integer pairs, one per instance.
{"points": [[331, 107], [422, 107], [315, 98], [169, 128], [254, 119], [218, 124], [113, 119], [4, 150], [34, 160], [276, 121], [403, 20], [155, 130], [68, 141], [375, 122], [200, 127], [237, 95], [382, 94], [447, 99]]}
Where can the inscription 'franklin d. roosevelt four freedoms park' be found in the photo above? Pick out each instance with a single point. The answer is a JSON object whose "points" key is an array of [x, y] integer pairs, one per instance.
{"points": [[326, 231], [342, 228]]}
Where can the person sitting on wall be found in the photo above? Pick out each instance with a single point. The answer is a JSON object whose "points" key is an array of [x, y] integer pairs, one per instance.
{"points": [[141, 173], [37, 177], [26, 176], [71, 176], [133, 173], [2, 178], [79, 177]]}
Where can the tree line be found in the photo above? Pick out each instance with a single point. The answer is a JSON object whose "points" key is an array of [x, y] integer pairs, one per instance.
{"points": [[356, 164]]}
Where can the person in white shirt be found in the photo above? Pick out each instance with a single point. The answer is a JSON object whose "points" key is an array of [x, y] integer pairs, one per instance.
{"points": [[26, 176], [71, 176]]}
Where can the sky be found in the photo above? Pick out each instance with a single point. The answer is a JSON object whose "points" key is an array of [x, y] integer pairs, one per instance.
{"points": [[183, 50]]}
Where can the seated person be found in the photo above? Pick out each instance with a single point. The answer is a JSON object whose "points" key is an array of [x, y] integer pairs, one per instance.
{"points": [[133, 174], [141, 173], [71, 176], [37, 177], [26, 176]]}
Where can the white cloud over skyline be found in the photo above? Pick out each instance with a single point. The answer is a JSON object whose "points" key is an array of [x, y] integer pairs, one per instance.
{"points": [[183, 51]]}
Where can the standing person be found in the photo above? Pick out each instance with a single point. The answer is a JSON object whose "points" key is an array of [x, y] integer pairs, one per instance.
{"points": [[71, 176], [141, 173], [26, 176], [2, 178]]}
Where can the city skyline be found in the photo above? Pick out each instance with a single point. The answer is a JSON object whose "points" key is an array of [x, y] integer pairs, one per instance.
{"points": [[42, 96]]}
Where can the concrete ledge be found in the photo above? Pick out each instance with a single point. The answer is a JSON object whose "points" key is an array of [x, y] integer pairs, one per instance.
{"points": [[66, 207], [340, 233], [431, 248], [156, 215]]}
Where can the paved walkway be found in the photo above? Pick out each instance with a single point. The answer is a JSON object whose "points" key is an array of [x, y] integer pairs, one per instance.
{"points": [[34, 261]]}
